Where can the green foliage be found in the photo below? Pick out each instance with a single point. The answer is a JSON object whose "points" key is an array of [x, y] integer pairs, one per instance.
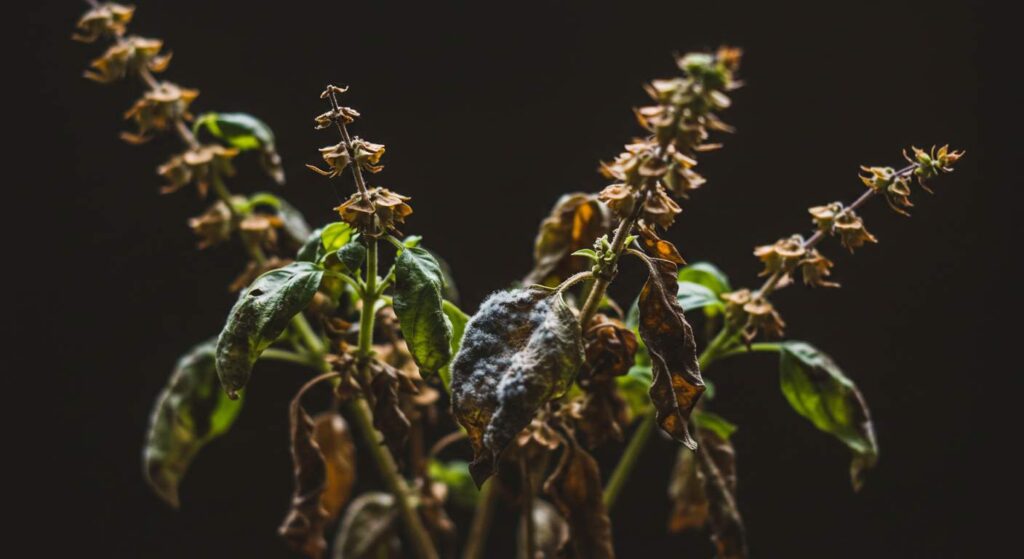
{"points": [[706, 274], [458, 320], [418, 302], [818, 390], [191, 411], [243, 132], [714, 423], [260, 316]]}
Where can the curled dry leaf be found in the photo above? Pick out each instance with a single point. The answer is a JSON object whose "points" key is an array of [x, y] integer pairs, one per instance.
{"points": [[677, 383], [369, 528], [686, 491], [610, 349], [388, 418], [657, 246], [576, 221], [332, 435], [189, 413], [303, 528], [717, 465], [575, 489], [521, 349]]}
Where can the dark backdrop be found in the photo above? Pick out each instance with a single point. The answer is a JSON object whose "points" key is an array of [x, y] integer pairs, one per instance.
{"points": [[489, 114]]}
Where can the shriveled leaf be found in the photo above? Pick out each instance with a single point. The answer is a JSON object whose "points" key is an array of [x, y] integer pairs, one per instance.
{"points": [[706, 274], [686, 492], [462, 492], [191, 411], [717, 463], [458, 320], [388, 417], [575, 489], [658, 247], [576, 221], [418, 303], [260, 316], [369, 529], [521, 349], [332, 435], [550, 531], [303, 527], [677, 384], [244, 132], [818, 390]]}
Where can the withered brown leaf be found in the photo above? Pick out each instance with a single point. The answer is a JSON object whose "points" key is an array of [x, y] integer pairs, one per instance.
{"points": [[657, 246], [303, 528], [521, 349], [369, 528], [717, 463], [686, 491], [575, 489], [677, 383], [332, 435], [576, 221], [388, 417]]}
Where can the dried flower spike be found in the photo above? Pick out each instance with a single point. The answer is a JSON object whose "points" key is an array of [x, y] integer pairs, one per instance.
{"points": [[158, 110], [128, 55], [104, 20]]}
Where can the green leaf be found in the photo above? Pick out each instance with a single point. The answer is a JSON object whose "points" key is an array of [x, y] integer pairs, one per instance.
{"points": [[312, 249], [260, 316], [715, 423], [695, 296], [455, 474], [412, 241], [244, 132], [706, 274], [418, 303], [458, 321], [634, 387], [818, 390], [587, 252], [189, 413], [335, 236], [352, 255]]}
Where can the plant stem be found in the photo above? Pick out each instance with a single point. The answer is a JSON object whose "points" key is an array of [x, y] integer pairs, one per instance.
{"points": [[526, 546], [628, 460], [275, 354], [477, 541], [422, 546], [370, 295], [601, 282]]}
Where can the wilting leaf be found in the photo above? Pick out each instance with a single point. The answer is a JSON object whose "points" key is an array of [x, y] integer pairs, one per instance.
{"points": [[388, 417], [458, 320], [576, 221], [260, 316], [332, 435], [455, 474], [818, 390], [686, 492], [369, 528], [521, 349], [706, 274], [658, 247], [677, 384], [191, 411], [717, 463], [418, 304], [303, 528], [244, 132], [550, 532], [575, 489]]}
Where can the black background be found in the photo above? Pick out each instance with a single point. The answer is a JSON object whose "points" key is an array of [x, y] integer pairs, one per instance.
{"points": [[488, 114]]}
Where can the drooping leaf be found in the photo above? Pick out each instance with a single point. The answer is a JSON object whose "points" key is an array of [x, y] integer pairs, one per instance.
{"points": [[418, 302], [717, 464], [454, 474], [706, 274], [658, 247], [260, 315], [458, 320], [332, 435], [677, 384], [609, 350], [388, 417], [303, 527], [191, 411], [575, 489], [686, 492], [576, 221], [244, 132], [521, 349], [818, 390], [369, 529]]}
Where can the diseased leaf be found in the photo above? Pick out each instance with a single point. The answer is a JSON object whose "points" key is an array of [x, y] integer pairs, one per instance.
{"points": [[706, 274], [576, 221], [191, 411], [521, 349], [717, 463], [677, 384], [686, 492], [418, 303], [303, 528], [260, 316], [458, 320], [332, 435], [575, 489], [658, 247], [244, 132], [818, 390], [609, 349], [388, 417], [369, 529]]}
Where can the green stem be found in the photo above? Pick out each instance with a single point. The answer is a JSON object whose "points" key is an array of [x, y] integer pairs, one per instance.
{"points": [[309, 337], [628, 460], [477, 542], [275, 354], [370, 295]]}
